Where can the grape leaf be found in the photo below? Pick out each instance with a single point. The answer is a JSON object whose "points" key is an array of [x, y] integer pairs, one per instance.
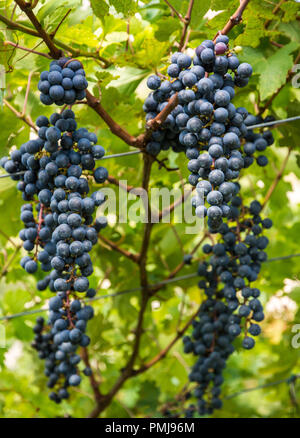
{"points": [[99, 7], [126, 7], [290, 9], [274, 69]]}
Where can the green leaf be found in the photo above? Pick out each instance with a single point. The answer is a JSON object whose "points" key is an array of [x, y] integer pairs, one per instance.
{"points": [[125, 7], [291, 30], [274, 69], [105, 77], [99, 7], [291, 10], [199, 10]]}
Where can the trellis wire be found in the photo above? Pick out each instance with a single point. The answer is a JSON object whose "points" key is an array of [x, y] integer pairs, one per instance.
{"points": [[127, 291], [265, 385], [124, 154], [6, 175], [274, 122], [134, 289]]}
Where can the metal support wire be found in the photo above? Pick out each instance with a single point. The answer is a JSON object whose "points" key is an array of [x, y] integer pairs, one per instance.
{"points": [[122, 154], [100, 297], [6, 175], [265, 385], [135, 289], [274, 122]]}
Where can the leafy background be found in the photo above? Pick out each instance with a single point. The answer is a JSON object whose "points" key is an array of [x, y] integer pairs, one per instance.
{"points": [[270, 42]]}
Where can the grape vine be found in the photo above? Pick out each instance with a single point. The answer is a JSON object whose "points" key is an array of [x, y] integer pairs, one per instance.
{"points": [[60, 231], [213, 134], [190, 110]]}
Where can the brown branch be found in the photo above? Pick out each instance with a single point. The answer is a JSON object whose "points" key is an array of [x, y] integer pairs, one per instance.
{"points": [[235, 19], [277, 179], [116, 129], [16, 26], [274, 43], [274, 12], [187, 20], [116, 182], [59, 24], [94, 384], [74, 52], [26, 119], [8, 238], [10, 43], [13, 11], [26, 94], [186, 40], [124, 252], [175, 204], [161, 163], [7, 265], [26, 8], [154, 124], [161, 117], [148, 161], [181, 18], [165, 351], [127, 371], [178, 268]]}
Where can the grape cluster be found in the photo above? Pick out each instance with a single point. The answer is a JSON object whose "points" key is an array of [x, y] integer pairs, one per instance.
{"points": [[219, 197], [231, 307], [60, 231], [64, 83], [57, 344], [206, 125], [255, 143], [205, 111]]}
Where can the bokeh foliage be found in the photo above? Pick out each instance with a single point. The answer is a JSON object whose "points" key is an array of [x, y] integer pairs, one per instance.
{"points": [[270, 42]]}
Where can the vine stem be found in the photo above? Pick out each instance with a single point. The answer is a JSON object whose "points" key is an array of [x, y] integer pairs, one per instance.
{"points": [[26, 94], [60, 23], [40, 221], [68, 309], [178, 267], [124, 252], [17, 46], [115, 128], [116, 182], [165, 351], [5, 267], [175, 11], [274, 12], [187, 20], [74, 52], [94, 384], [277, 179], [235, 19], [26, 8], [26, 119]]}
